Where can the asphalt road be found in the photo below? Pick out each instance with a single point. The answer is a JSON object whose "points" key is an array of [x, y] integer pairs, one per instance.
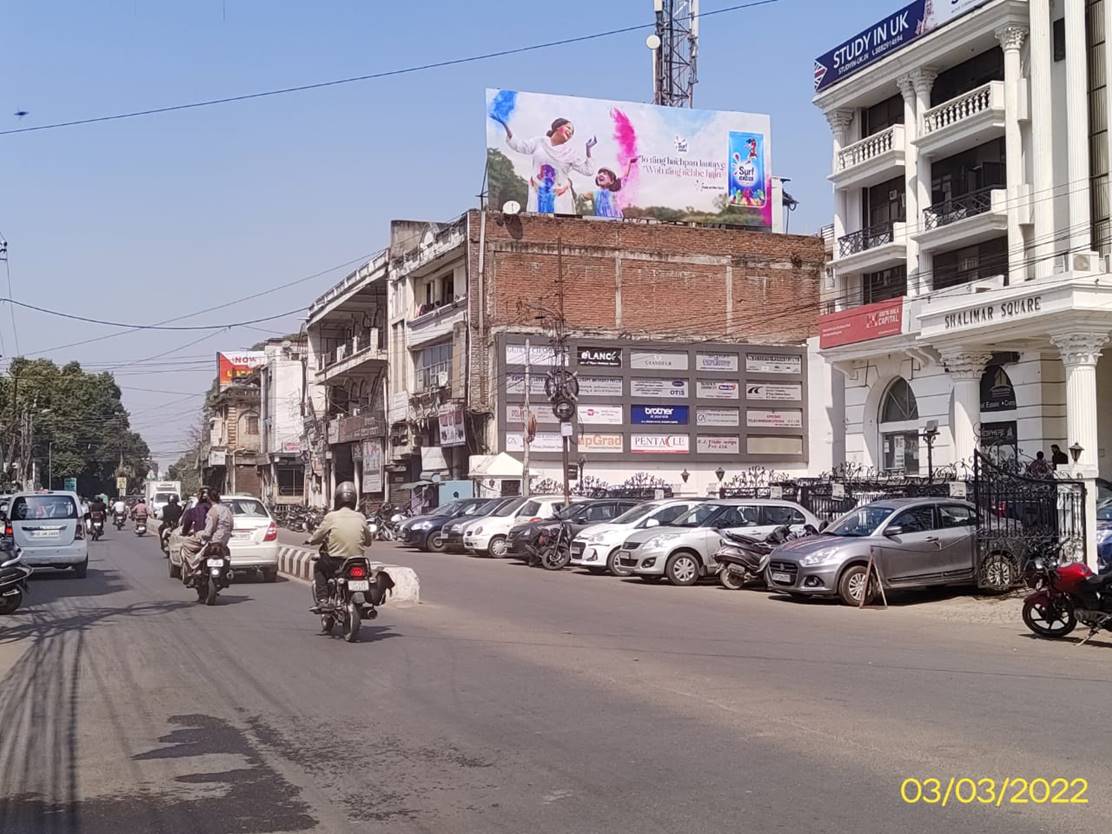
{"points": [[516, 700]]}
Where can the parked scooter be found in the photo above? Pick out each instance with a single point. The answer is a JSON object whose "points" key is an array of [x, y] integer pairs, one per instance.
{"points": [[1065, 594], [353, 594], [13, 580], [744, 558]]}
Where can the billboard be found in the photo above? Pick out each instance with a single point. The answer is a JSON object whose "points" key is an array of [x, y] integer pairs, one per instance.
{"points": [[658, 415], [611, 159], [231, 365], [896, 31]]}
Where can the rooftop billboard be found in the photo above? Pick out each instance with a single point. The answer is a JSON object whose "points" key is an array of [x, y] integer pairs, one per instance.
{"points": [[881, 39], [611, 159], [231, 365]]}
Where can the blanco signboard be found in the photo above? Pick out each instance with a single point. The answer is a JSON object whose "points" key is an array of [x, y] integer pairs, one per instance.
{"points": [[716, 362], [774, 419], [669, 389], [538, 355], [773, 363], [604, 443], [515, 384], [541, 411], [609, 415], [597, 386], [706, 389], [545, 441], [651, 360], [773, 391], [664, 444], [718, 444], [717, 417]]}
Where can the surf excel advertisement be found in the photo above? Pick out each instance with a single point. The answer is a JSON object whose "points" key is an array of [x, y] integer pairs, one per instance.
{"points": [[613, 159]]}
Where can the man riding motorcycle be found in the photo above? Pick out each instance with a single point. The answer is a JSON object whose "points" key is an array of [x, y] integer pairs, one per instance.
{"points": [[217, 531], [139, 513], [192, 522], [171, 515], [97, 510], [119, 508], [345, 531]]}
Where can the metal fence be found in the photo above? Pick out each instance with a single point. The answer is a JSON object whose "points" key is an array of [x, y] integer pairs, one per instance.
{"points": [[829, 498]]}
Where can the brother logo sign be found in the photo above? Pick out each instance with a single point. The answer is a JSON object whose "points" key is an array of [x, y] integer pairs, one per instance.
{"points": [[660, 415], [601, 357]]}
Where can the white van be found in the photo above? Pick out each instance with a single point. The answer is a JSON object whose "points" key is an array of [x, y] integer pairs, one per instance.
{"points": [[50, 530]]}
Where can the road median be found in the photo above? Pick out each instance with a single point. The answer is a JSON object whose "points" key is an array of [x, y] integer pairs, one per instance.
{"points": [[296, 562]]}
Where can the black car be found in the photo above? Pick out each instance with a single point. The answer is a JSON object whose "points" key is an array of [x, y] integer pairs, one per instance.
{"points": [[579, 515], [425, 534], [452, 532]]}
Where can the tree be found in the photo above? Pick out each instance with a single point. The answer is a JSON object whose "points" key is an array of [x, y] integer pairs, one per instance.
{"points": [[71, 421], [502, 183]]}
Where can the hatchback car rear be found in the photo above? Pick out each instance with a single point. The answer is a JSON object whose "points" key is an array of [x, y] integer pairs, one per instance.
{"points": [[49, 529], [254, 544]]}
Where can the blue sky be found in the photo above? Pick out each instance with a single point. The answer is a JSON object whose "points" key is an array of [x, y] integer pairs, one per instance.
{"points": [[145, 219]]}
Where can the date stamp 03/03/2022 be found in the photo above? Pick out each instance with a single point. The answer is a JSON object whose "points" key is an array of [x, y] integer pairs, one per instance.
{"points": [[994, 791]]}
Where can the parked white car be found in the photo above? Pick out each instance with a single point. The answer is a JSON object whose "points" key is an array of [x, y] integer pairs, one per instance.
{"points": [[596, 548], [487, 536], [254, 544]]}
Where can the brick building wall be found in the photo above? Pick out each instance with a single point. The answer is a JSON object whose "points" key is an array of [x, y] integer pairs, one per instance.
{"points": [[636, 280]]}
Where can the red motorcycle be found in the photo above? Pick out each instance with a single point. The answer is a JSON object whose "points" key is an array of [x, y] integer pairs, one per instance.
{"points": [[1065, 594]]}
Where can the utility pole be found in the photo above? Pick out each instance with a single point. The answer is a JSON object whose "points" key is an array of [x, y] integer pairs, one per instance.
{"points": [[527, 424], [675, 48]]}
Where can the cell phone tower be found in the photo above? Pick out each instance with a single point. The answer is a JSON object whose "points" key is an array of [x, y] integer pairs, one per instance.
{"points": [[675, 48]]}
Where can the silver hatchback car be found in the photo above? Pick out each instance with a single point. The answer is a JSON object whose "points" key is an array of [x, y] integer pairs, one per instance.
{"points": [[915, 542], [684, 550], [50, 530]]}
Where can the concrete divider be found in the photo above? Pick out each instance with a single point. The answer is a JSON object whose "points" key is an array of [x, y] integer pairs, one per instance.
{"points": [[297, 562]]}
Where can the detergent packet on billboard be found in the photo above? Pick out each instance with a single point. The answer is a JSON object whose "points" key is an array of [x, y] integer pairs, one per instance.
{"points": [[746, 167]]}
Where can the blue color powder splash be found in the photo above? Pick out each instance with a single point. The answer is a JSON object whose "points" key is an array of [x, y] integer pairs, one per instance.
{"points": [[503, 105]]}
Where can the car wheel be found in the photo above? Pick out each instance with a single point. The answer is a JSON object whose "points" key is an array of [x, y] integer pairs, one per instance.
{"points": [[614, 567], [682, 569], [497, 547], [434, 542], [998, 572], [79, 571], [8, 605], [851, 586]]}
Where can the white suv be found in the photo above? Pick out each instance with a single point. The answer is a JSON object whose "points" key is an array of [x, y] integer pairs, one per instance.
{"points": [[488, 535], [596, 548]]}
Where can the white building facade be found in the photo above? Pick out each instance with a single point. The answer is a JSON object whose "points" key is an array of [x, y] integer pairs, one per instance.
{"points": [[970, 288]]}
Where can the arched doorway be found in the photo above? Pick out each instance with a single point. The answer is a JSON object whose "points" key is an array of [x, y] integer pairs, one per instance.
{"points": [[898, 422]]}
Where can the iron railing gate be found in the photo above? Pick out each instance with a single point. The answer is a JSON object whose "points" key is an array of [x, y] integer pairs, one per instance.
{"points": [[1019, 516]]}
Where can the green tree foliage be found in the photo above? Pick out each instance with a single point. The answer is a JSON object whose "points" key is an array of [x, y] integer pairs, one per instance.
{"points": [[502, 183], [79, 423]]}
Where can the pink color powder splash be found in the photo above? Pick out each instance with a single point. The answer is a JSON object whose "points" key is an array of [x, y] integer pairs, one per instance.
{"points": [[625, 135]]}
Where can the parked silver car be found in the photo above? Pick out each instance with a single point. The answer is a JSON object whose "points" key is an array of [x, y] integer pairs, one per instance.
{"points": [[916, 542], [684, 550]]}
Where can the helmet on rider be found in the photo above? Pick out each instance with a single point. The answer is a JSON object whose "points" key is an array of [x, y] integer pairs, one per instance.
{"points": [[346, 495]]}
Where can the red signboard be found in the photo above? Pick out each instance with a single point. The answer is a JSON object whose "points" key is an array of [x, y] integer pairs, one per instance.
{"points": [[859, 324]]}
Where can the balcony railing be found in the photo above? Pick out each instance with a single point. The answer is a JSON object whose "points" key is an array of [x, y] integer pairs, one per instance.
{"points": [[959, 208], [366, 340], [868, 238], [868, 148], [965, 106]]}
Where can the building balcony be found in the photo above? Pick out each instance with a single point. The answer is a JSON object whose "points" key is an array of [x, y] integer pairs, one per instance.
{"points": [[872, 248], [963, 122], [435, 323], [965, 220], [351, 356], [871, 160]]}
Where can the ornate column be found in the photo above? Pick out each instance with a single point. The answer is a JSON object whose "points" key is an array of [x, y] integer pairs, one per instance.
{"points": [[1042, 139], [1077, 127], [839, 121], [965, 367], [922, 80], [1011, 41], [911, 180]]}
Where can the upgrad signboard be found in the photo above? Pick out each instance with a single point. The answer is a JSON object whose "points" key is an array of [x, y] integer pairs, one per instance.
{"points": [[896, 31]]}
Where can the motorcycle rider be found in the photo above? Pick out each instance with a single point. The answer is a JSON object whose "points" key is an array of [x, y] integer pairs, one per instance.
{"points": [[119, 508], [217, 532], [97, 511], [139, 513], [171, 515], [192, 522], [344, 533]]}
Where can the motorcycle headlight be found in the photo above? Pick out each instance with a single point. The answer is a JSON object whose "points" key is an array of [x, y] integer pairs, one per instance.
{"points": [[819, 557]]}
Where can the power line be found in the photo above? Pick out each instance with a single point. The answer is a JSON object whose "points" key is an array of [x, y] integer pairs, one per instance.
{"points": [[336, 82], [87, 320]]}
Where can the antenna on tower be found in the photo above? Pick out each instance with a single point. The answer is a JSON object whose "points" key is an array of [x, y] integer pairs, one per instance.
{"points": [[675, 48]]}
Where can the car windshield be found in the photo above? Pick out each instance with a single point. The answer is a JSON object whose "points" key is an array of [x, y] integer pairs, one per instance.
{"points": [[1104, 513], [462, 508], [636, 514], [164, 497], [698, 516], [480, 508], [43, 506], [862, 521], [510, 508], [247, 507], [574, 512]]}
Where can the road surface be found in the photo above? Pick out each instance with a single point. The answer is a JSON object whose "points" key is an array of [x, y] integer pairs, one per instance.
{"points": [[517, 700]]}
